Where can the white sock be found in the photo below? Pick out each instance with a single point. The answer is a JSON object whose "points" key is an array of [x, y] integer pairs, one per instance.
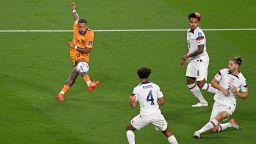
{"points": [[208, 87], [224, 126], [172, 140], [61, 92], [88, 83], [211, 124], [130, 136], [196, 91]]}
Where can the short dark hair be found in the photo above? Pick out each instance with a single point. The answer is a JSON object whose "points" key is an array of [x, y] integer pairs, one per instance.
{"points": [[237, 60], [194, 15], [82, 21], [143, 72]]}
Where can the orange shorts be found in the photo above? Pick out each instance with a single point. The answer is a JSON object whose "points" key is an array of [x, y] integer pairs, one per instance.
{"points": [[76, 56]]}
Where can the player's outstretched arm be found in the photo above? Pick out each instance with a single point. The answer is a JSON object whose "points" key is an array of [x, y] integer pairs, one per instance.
{"points": [[75, 14]]}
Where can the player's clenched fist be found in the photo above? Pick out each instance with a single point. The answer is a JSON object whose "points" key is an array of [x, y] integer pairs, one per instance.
{"points": [[73, 6]]}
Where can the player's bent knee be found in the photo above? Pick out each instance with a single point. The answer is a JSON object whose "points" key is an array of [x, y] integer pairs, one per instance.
{"points": [[130, 127], [224, 114], [82, 67], [214, 130], [200, 84], [167, 133], [190, 80]]}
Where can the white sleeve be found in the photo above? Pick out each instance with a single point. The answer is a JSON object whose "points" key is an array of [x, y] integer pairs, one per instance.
{"points": [[135, 93], [218, 75], [244, 87], [159, 92], [200, 38]]}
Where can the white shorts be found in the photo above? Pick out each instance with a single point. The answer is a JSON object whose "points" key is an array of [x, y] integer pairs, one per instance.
{"points": [[217, 108], [198, 69], [158, 121]]}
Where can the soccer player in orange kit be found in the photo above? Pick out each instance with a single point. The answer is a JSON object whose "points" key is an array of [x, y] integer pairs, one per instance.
{"points": [[80, 48]]}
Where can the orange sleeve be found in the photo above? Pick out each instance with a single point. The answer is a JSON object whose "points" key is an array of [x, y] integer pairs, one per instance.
{"points": [[90, 39]]}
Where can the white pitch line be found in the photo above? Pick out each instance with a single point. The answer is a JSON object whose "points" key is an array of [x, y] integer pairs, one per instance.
{"points": [[124, 30]]}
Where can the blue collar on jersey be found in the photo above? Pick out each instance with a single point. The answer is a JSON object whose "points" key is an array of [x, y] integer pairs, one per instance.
{"points": [[192, 30]]}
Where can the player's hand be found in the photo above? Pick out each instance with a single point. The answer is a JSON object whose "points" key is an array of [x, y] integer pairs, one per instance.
{"points": [[133, 99], [225, 91], [233, 89], [73, 6], [183, 59], [71, 45], [182, 62]]}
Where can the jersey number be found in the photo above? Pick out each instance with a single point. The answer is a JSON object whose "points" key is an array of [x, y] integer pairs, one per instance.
{"points": [[150, 97]]}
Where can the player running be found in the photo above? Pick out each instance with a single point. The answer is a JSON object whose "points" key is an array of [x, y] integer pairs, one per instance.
{"points": [[80, 48], [230, 83], [196, 55], [150, 97]]}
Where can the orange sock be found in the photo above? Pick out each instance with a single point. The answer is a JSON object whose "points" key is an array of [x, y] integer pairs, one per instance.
{"points": [[87, 79], [65, 89]]}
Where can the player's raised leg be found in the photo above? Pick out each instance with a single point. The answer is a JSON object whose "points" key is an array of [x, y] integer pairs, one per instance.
{"points": [[83, 69], [212, 124], [91, 84], [71, 80]]}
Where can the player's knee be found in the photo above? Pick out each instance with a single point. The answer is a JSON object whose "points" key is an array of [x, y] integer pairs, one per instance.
{"points": [[82, 67], [167, 133], [200, 84], [222, 115], [130, 127], [214, 130], [190, 80]]}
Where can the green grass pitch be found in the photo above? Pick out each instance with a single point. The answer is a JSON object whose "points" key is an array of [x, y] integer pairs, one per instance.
{"points": [[34, 67]]}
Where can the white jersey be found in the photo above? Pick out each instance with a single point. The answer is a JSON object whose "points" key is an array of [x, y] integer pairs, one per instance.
{"points": [[147, 94], [227, 80], [195, 38]]}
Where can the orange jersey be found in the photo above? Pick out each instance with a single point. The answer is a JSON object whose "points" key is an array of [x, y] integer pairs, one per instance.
{"points": [[82, 41]]}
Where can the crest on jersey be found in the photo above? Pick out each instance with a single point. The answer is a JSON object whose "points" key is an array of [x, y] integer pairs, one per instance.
{"points": [[200, 34]]}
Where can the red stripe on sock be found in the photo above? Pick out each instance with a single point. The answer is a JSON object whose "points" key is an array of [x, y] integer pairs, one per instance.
{"points": [[220, 128], [193, 87], [212, 123]]}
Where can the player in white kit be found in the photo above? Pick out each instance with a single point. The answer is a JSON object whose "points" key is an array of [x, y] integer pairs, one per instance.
{"points": [[198, 60], [231, 84], [150, 97]]}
